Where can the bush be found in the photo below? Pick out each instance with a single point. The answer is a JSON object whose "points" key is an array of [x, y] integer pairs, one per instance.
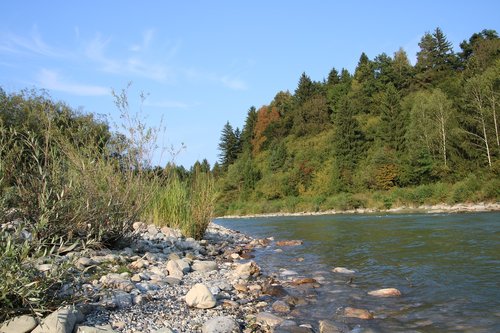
{"points": [[24, 288]]}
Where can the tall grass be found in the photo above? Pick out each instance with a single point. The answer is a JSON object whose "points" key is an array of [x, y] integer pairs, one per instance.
{"points": [[187, 205], [65, 178]]}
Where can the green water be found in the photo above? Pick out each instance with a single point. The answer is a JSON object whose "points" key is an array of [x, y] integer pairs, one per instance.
{"points": [[446, 265]]}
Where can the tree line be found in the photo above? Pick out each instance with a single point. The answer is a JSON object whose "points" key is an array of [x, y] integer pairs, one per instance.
{"points": [[388, 125]]}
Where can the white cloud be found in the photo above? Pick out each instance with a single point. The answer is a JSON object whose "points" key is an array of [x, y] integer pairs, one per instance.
{"points": [[51, 80], [95, 51], [169, 104], [33, 44], [147, 37], [233, 83], [228, 81]]}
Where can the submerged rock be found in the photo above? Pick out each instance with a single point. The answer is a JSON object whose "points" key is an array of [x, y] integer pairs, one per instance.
{"points": [[357, 313], [343, 270], [289, 242], [386, 292]]}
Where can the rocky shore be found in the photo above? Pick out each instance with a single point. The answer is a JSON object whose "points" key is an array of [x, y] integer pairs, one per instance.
{"points": [[431, 209], [163, 282]]}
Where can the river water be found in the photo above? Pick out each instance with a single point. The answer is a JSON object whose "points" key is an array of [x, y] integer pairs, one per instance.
{"points": [[446, 265]]}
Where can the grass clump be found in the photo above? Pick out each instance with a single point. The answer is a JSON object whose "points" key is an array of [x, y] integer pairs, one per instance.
{"points": [[187, 205]]}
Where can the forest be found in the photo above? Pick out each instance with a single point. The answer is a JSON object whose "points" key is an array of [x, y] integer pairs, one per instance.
{"points": [[390, 134]]}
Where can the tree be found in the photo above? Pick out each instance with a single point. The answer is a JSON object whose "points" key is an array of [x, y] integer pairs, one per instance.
{"points": [[482, 96], [265, 117], [229, 146], [431, 118], [480, 51], [305, 89], [312, 117], [435, 59], [347, 142], [392, 123], [247, 134]]}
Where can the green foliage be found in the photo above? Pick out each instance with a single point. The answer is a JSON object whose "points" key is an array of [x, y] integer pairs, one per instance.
{"points": [[389, 134]]}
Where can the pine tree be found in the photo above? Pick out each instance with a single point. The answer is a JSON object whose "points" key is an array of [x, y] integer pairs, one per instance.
{"points": [[229, 146]]}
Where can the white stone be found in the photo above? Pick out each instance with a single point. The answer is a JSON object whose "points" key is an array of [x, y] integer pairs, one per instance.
{"points": [[200, 297]]}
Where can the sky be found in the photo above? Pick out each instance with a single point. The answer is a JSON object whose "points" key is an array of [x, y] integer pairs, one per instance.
{"points": [[203, 63]]}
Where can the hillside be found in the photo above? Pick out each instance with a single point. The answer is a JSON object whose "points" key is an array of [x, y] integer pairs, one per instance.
{"points": [[389, 134]]}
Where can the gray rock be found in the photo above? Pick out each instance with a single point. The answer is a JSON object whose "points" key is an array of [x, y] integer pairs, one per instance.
{"points": [[244, 271], [21, 324], [200, 297], [152, 230], [174, 270], [268, 319], [204, 266], [281, 307], [184, 265], [327, 326], [221, 324], [60, 321], [117, 299], [84, 262]]}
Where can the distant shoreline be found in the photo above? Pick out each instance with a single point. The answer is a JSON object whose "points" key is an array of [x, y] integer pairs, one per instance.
{"points": [[439, 208]]}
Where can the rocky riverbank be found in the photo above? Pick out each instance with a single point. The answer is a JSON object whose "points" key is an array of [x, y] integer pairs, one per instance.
{"points": [[431, 209], [163, 282]]}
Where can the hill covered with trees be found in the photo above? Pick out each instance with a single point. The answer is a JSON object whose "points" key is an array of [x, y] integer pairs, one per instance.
{"points": [[389, 134]]}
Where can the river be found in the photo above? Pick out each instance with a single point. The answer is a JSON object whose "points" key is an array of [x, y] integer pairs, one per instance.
{"points": [[446, 265]]}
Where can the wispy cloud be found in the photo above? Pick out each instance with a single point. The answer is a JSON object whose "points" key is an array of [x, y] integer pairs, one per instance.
{"points": [[51, 80], [33, 44], [169, 104], [96, 51], [233, 83], [228, 81], [147, 37]]}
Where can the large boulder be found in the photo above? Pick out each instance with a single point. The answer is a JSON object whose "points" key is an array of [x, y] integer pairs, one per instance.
{"points": [[60, 321], [200, 297], [221, 324]]}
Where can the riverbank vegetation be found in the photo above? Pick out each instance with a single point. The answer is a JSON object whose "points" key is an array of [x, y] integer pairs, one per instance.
{"points": [[67, 180], [390, 134]]}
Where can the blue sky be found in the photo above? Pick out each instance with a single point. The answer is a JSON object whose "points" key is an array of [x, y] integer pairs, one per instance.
{"points": [[207, 62]]}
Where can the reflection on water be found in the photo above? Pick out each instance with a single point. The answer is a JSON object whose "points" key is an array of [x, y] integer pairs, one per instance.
{"points": [[446, 266]]}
